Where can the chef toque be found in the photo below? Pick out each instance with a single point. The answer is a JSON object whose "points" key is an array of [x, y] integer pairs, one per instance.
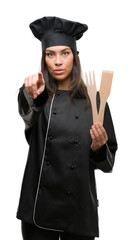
{"points": [[53, 31]]}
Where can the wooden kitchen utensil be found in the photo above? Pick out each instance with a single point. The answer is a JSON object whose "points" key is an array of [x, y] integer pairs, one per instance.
{"points": [[91, 88], [105, 88]]}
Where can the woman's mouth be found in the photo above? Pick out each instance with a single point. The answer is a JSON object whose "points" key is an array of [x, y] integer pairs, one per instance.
{"points": [[59, 71]]}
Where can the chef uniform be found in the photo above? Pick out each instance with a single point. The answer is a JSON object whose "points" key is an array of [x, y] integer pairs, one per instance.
{"points": [[59, 189]]}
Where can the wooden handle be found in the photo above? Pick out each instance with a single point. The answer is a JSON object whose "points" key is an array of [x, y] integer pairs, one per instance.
{"points": [[94, 112], [101, 114]]}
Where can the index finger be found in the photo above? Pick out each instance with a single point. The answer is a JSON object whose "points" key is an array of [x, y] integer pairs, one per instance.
{"points": [[40, 76]]}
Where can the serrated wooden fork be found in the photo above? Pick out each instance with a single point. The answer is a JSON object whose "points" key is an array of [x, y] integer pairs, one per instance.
{"points": [[92, 90], [105, 88]]}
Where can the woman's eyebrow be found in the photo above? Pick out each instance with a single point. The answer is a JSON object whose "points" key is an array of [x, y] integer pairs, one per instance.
{"points": [[65, 49], [47, 50], [50, 51]]}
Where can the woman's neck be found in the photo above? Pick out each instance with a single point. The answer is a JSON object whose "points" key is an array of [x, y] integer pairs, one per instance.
{"points": [[64, 84]]}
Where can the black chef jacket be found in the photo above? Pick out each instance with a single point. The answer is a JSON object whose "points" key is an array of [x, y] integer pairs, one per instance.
{"points": [[58, 189]]}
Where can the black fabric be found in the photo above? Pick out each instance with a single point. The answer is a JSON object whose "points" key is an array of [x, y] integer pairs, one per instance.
{"points": [[53, 31], [66, 196], [99, 155], [31, 232]]}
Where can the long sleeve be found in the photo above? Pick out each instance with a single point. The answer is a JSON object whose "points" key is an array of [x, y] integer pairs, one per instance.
{"points": [[104, 158], [29, 108]]}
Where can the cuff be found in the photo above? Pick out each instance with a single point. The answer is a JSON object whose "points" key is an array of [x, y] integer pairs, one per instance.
{"points": [[100, 155], [39, 101]]}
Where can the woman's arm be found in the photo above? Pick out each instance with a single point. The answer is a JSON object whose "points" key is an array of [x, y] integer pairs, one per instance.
{"points": [[104, 144], [31, 99]]}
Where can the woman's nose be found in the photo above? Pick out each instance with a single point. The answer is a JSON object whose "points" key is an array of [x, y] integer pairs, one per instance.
{"points": [[58, 60]]}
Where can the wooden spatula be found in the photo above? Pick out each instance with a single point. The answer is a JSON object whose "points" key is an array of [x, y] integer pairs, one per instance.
{"points": [[105, 88]]}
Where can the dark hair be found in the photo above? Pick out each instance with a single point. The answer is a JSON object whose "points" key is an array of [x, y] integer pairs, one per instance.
{"points": [[77, 85]]}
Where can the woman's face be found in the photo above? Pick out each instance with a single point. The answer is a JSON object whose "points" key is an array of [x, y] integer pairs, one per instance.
{"points": [[59, 61]]}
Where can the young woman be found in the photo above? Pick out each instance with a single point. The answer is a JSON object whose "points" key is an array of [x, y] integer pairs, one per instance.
{"points": [[58, 196]]}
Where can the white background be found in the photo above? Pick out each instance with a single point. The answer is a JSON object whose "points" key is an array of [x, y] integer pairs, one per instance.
{"points": [[107, 45]]}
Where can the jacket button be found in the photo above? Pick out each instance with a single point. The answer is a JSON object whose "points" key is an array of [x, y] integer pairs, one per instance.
{"points": [[68, 192], [75, 140], [54, 112], [76, 116], [43, 188], [48, 163], [72, 167], [51, 137], [58, 93]]}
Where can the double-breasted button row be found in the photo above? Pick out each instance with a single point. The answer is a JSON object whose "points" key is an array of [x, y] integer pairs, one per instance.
{"points": [[76, 140], [54, 112], [48, 163], [68, 191]]}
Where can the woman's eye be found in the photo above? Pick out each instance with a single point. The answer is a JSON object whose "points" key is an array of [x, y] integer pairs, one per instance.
{"points": [[65, 53], [50, 54]]}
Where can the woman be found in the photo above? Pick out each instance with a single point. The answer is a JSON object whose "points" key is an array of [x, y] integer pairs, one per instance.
{"points": [[58, 196]]}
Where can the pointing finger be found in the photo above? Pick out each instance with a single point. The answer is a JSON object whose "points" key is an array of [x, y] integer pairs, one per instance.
{"points": [[40, 76]]}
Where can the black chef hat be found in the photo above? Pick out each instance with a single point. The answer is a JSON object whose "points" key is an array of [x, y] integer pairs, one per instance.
{"points": [[52, 31]]}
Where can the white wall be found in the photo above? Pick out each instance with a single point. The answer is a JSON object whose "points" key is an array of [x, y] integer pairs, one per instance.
{"points": [[107, 45]]}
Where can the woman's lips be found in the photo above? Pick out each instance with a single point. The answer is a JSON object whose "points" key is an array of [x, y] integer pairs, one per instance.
{"points": [[59, 71]]}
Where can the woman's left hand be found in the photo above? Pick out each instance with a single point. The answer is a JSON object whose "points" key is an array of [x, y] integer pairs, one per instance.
{"points": [[98, 135]]}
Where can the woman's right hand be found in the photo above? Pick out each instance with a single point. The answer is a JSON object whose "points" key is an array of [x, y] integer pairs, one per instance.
{"points": [[35, 85]]}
